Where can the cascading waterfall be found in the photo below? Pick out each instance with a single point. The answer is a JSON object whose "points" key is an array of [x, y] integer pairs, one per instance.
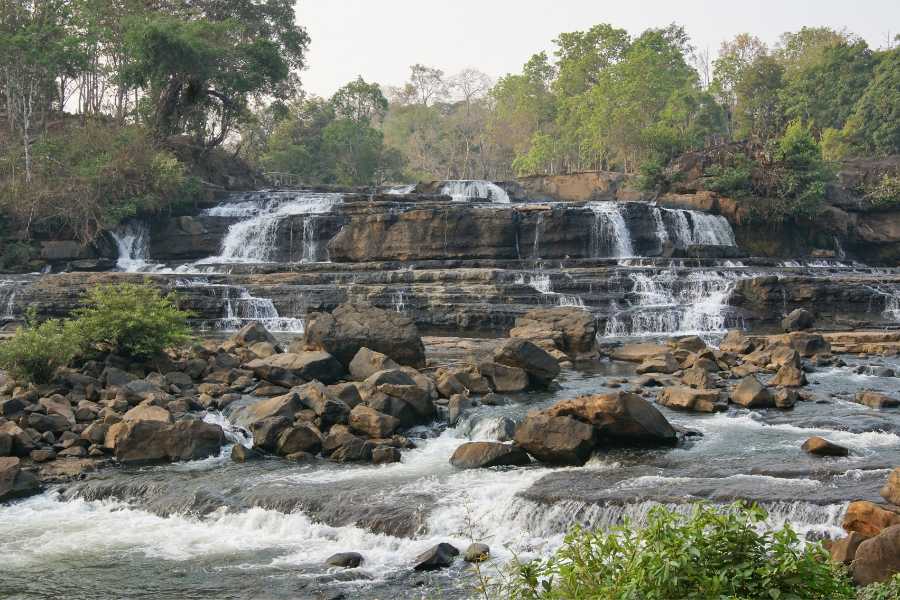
{"points": [[254, 238], [667, 303], [609, 236], [245, 308], [462, 190], [133, 242], [402, 190], [8, 291], [691, 227]]}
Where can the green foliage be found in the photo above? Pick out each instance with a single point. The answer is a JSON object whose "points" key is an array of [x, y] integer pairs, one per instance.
{"points": [[874, 126], [888, 590], [652, 176], [885, 193], [799, 176], [712, 553], [131, 319], [15, 256], [36, 351], [758, 108], [734, 180]]}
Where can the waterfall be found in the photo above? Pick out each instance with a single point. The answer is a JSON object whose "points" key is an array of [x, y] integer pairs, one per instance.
{"points": [[462, 190], [536, 245], [609, 236], [402, 190], [310, 240], [667, 303], [246, 308], [691, 227], [254, 238], [8, 290], [133, 241]]}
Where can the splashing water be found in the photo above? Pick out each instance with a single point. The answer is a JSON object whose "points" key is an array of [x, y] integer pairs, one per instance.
{"points": [[609, 235], [462, 190], [133, 242]]}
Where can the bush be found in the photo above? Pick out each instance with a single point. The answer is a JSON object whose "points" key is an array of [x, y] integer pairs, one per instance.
{"points": [[131, 319], [885, 193], [712, 553], [889, 590], [735, 181], [35, 351]]}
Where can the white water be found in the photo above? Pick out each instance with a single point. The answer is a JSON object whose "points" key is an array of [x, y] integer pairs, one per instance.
{"points": [[691, 227], [8, 290], [244, 308], [462, 190], [254, 238], [133, 242], [668, 303], [402, 190], [610, 235]]}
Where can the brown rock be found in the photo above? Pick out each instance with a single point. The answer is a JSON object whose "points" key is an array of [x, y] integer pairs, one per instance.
{"points": [[385, 454], [14, 482], [476, 455], [571, 330], [252, 333], [789, 376], [303, 437], [664, 363], [540, 366], [556, 440], [618, 418], [750, 393], [875, 400], [891, 489], [685, 398], [697, 377], [877, 559], [504, 379], [368, 362], [370, 422], [147, 412], [868, 518], [735, 341], [150, 441], [844, 549], [822, 447]]}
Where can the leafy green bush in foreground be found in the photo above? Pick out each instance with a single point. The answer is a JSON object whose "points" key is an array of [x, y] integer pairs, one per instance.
{"points": [[889, 590], [712, 553], [35, 351], [131, 319]]}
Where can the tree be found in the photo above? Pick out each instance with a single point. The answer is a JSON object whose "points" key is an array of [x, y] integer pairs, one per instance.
{"points": [[470, 84], [426, 84], [360, 101], [734, 58], [37, 48], [583, 55], [874, 125], [758, 110], [798, 50]]}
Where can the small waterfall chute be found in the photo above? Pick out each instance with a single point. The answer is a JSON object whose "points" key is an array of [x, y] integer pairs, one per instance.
{"points": [[133, 242], [463, 190], [610, 236], [692, 228]]}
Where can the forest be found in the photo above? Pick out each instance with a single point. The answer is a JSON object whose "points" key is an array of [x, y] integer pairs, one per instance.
{"points": [[117, 107]]}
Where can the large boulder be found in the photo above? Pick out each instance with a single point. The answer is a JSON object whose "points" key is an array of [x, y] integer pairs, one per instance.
{"points": [[368, 362], [293, 368], [370, 422], [663, 363], [556, 440], [475, 455], [876, 400], [789, 376], [735, 341], [891, 489], [285, 405], [252, 333], [14, 482], [750, 393], [315, 396], [357, 325], [877, 559], [438, 557], [154, 441], [303, 437], [619, 418], [502, 378], [540, 366], [807, 344], [570, 329], [148, 412], [868, 518], [686, 398], [822, 447], [798, 320]]}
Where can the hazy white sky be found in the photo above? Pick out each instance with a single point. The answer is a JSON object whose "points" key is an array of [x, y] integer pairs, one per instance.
{"points": [[379, 39]]}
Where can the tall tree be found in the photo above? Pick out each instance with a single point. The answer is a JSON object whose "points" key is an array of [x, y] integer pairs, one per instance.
{"points": [[734, 58]]}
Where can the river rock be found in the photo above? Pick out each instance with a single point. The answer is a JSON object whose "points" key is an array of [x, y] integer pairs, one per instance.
{"points": [[504, 379], [383, 455], [877, 559], [476, 553], [556, 440], [354, 449], [570, 329], [735, 341], [685, 398], [314, 396], [252, 333], [700, 378], [347, 392], [476, 455], [891, 489], [148, 412], [241, 454], [18, 440], [438, 557], [807, 344], [368, 362], [58, 405], [347, 560], [302, 437], [750, 393], [619, 418], [267, 431], [14, 482], [789, 376], [150, 441], [293, 368], [782, 356], [278, 406], [540, 366], [798, 320], [786, 398], [370, 422], [664, 363], [876, 400], [868, 518], [822, 447], [353, 326], [843, 550], [637, 352]]}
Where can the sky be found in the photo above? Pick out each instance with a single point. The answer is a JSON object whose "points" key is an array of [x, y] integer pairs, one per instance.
{"points": [[380, 39]]}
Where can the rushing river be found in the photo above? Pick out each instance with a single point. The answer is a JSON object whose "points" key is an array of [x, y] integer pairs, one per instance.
{"points": [[263, 529]]}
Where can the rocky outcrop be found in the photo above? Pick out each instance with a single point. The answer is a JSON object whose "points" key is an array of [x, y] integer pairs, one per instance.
{"points": [[522, 354], [686, 398], [14, 482], [869, 519], [153, 441], [351, 327], [569, 330]]}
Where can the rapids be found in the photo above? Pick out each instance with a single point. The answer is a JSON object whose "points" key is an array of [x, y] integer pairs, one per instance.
{"points": [[267, 526]]}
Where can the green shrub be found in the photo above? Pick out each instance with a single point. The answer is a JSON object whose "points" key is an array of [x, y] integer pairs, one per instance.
{"points": [[16, 256], [885, 193], [652, 176], [131, 319], [35, 351], [712, 553], [889, 590], [735, 180]]}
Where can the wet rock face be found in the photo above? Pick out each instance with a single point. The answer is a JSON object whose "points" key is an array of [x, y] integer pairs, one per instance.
{"points": [[475, 455], [556, 440], [354, 326], [439, 557], [154, 441], [14, 482]]}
